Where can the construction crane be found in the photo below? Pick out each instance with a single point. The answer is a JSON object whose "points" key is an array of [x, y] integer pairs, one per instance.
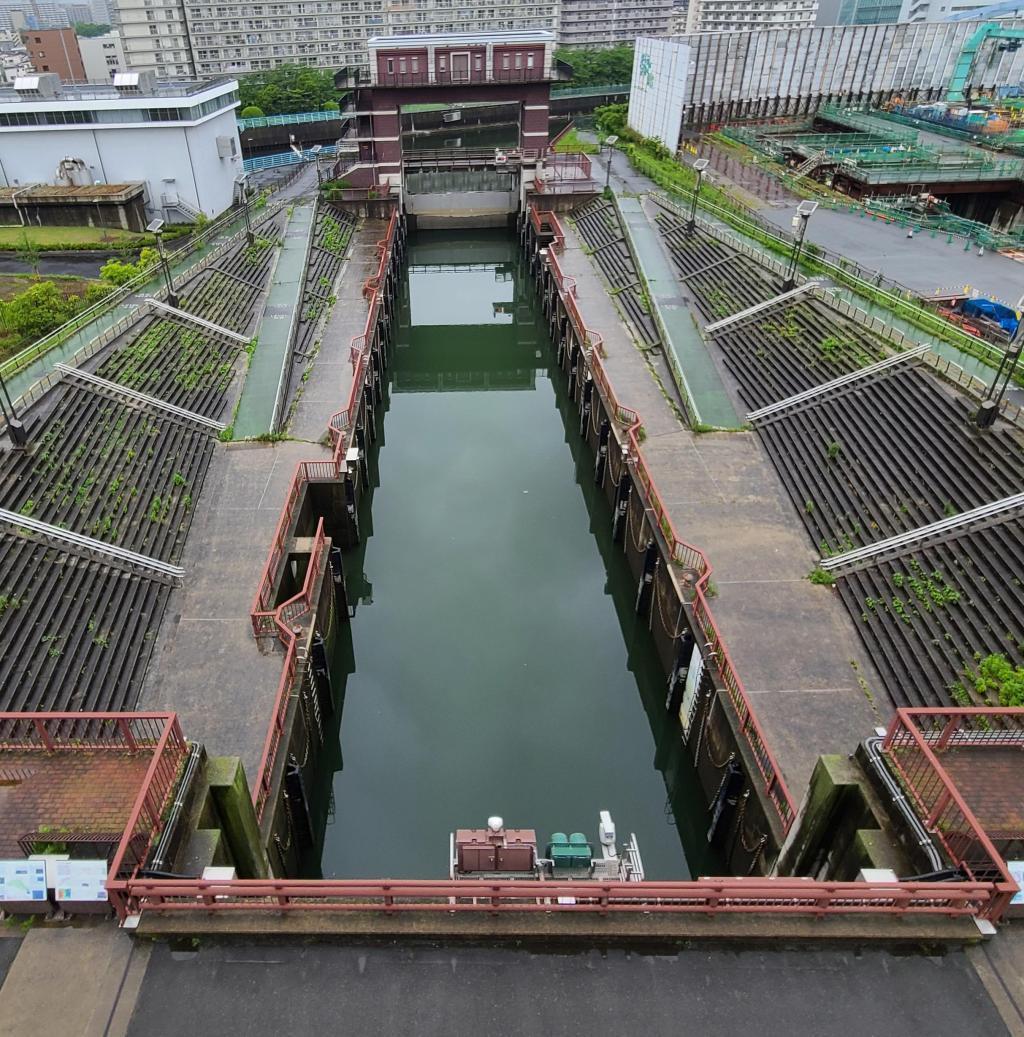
{"points": [[960, 81]]}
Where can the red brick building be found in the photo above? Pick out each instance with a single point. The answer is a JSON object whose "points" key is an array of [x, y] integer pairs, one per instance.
{"points": [[55, 50], [460, 68]]}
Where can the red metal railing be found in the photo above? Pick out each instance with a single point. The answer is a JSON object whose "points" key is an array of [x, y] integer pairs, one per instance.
{"points": [[706, 896], [281, 620], [155, 733], [683, 554], [914, 743], [286, 616]]}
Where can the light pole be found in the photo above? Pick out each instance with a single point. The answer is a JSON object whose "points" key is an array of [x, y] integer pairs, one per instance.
{"points": [[804, 211], [15, 427], [242, 183], [156, 228], [316, 149], [698, 167], [986, 414], [609, 142]]}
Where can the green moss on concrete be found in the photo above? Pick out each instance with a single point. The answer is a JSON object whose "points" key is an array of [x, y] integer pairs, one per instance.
{"points": [[230, 793]]}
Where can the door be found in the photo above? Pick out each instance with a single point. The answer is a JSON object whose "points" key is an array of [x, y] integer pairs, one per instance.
{"points": [[460, 67]]}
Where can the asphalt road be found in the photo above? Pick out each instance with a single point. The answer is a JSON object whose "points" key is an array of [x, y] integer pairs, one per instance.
{"points": [[332, 990]]}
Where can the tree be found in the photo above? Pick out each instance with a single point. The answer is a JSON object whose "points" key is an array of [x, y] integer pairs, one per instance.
{"points": [[89, 29], [39, 309], [287, 88], [251, 111], [117, 272], [29, 253], [599, 67], [330, 106]]}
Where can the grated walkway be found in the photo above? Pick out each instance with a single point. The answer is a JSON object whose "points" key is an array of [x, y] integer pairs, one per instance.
{"points": [[258, 408], [704, 386]]}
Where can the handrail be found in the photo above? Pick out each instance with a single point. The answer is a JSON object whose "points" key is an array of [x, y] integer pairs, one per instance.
{"points": [[443, 896], [682, 554]]}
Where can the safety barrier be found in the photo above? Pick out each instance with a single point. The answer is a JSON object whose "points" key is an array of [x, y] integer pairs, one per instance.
{"points": [[682, 554], [705, 896], [913, 744], [268, 619]]}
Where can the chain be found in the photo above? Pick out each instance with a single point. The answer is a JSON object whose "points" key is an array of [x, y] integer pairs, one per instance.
{"points": [[638, 544], [759, 842], [707, 741], [658, 597], [721, 784]]}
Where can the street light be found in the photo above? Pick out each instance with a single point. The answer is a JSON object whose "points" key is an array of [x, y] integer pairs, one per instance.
{"points": [[242, 183], [156, 228], [985, 416], [609, 142], [15, 427], [804, 211], [316, 149], [698, 167]]}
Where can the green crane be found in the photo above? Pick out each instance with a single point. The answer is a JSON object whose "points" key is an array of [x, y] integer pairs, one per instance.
{"points": [[960, 81]]}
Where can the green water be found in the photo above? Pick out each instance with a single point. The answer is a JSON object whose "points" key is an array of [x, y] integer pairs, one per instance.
{"points": [[494, 664]]}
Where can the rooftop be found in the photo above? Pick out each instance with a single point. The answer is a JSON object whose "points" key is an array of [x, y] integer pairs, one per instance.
{"points": [[126, 86], [455, 38]]}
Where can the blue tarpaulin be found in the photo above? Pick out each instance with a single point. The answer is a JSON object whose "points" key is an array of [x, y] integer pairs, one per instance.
{"points": [[990, 310]]}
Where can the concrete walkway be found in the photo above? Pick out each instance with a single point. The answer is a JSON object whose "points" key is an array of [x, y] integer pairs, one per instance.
{"points": [[703, 385], [262, 394], [794, 645], [80, 981]]}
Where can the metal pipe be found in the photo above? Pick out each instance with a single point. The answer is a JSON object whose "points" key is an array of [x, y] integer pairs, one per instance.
{"points": [[184, 787], [872, 747]]}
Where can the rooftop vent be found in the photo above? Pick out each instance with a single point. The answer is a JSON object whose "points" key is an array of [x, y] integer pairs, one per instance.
{"points": [[135, 82], [47, 84]]}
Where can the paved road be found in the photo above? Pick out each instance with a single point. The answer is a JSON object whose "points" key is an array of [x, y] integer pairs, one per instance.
{"points": [[321, 989]]}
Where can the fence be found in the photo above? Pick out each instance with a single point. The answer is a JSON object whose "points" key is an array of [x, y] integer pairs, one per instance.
{"points": [[913, 744], [681, 553], [156, 733], [268, 619], [706, 897], [286, 158], [295, 118]]}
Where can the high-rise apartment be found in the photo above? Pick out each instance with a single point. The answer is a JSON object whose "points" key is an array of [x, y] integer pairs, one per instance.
{"points": [[605, 23], [737, 15], [207, 37]]}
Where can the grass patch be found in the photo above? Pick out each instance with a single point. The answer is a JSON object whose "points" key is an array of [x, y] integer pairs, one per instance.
{"points": [[573, 142], [57, 238]]}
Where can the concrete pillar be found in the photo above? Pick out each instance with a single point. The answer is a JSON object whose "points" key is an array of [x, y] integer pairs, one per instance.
{"points": [[230, 794]]}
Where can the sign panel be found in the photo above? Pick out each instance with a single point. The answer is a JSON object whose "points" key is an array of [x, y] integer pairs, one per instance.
{"points": [[693, 676], [22, 880], [81, 880], [1016, 870]]}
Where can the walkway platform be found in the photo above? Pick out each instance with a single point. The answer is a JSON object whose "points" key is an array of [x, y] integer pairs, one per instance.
{"points": [[794, 645], [258, 409], [704, 385]]}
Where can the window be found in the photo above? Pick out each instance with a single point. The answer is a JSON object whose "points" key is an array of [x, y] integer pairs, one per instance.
{"points": [[415, 64], [391, 66], [442, 63], [478, 63], [519, 60], [504, 61], [529, 60], [401, 66]]}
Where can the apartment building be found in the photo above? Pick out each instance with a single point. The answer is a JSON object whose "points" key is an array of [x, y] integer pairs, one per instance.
{"points": [[605, 23], [207, 38], [102, 56], [740, 15]]}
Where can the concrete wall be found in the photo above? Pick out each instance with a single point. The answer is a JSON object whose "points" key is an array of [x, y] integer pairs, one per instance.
{"points": [[101, 55], [734, 75], [658, 89]]}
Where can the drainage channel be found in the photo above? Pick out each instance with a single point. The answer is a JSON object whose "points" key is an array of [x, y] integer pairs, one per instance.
{"points": [[494, 663]]}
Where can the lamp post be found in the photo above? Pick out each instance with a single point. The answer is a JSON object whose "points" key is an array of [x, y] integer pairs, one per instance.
{"points": [[316, 149], [242, 184], [986, 414], [609, 142], [156, 228], [15, 428], [698, 167], [804, 211]]}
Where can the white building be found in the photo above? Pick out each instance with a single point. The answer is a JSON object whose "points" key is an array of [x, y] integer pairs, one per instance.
{"points": [[102, 56], [940, 10], [605, 23], [744, 15], [200, 38], [180, 139]]}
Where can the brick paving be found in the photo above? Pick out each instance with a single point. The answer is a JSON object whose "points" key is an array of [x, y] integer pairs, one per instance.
{"points": [[990, 780], [79, 793]]}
